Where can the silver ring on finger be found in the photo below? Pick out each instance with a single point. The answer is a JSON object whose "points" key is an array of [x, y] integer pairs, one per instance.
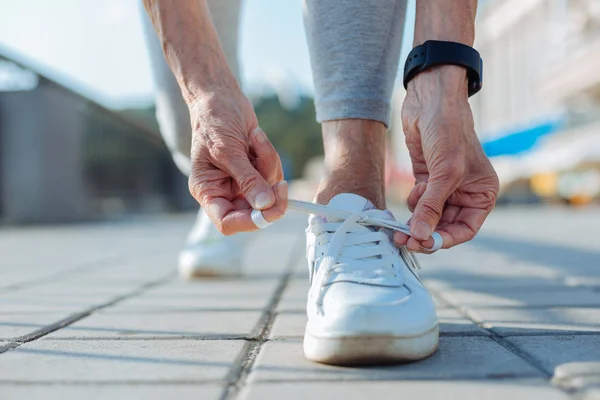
{"points": [[438, 242], [259, 219]]}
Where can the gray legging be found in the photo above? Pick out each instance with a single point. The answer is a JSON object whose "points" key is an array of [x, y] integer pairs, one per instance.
{"points": [[354, 49]]}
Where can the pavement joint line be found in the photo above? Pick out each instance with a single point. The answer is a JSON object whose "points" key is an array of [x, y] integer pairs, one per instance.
{"points": [[80, 315], [499, 339], [79, 268], [243, 365], [154, 382], [465, 378], [188, 310], [8, 346], [553, 333], [505, 377], [112, 261], [527, 307], [199, 338], [442, 334]]}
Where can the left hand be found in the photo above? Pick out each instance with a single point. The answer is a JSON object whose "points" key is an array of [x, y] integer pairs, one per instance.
{"points": [[456, 186]]}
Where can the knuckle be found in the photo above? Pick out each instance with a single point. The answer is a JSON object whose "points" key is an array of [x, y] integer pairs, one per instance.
{"points": [[452, 170], [431, 208], [195, 189], [219, 152], [246, 180]]}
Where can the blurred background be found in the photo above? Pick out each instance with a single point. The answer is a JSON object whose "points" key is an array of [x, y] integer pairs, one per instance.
{"points": [[79, 139]]}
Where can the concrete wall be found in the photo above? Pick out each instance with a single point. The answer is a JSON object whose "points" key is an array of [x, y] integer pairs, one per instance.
{"points": [[41, 156]]}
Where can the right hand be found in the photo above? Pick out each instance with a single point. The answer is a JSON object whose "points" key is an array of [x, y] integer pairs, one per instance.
{"points": [[235, 168]]}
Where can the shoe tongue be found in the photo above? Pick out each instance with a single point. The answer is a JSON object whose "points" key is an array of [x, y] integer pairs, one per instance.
{"points": [[350, 202], [355, 203]]}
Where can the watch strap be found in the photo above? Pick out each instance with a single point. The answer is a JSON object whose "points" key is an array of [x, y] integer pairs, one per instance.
{"points": [[435, 52]]}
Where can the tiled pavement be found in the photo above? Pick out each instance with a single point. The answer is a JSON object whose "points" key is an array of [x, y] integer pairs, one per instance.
{"points": [[96, 311]]}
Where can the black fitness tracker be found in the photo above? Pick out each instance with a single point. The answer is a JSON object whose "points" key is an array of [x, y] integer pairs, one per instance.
{"points": [[436, 52]]}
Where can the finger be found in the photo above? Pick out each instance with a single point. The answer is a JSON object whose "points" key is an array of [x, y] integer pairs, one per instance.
{"points": [[280, 207], [415, 194], [234, 217], [430, 207], [267, 163], [252, 185], [448, 216], [400, 238], [464, 228], [414, 246]]}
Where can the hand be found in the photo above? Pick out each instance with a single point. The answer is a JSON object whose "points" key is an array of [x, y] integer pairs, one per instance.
{"points": [[456, 185], [235, 168]]}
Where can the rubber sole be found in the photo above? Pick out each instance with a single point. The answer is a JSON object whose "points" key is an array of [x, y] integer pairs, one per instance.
{"points": [[370, 349]]}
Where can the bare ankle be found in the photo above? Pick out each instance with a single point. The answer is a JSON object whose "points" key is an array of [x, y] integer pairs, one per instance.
{"points": [[354, 160]]}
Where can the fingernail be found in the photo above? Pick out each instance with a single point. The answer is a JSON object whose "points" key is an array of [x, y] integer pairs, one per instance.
{"points": [[422, 231], [282, 190], [261, 136], [262, 201]]}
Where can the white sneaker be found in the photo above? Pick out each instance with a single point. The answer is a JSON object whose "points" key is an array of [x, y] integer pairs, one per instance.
{"points": [[209, 253], [366, 303]]}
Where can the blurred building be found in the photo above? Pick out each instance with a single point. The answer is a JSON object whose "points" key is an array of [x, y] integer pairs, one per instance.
{"points": [[64, 157], [538, 115]]}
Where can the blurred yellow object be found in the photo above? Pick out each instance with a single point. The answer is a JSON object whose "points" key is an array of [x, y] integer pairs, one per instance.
{"points": [[544, 184]]}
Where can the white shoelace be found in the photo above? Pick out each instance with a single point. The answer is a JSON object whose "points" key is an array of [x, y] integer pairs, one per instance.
{"points": [[359, 253], [363, 218]]}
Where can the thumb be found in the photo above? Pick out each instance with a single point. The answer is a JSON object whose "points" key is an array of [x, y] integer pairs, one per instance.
{"points": [[253, 186], [429, 208]]}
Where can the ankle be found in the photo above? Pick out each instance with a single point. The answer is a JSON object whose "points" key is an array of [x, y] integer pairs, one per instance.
{"points": [[354, 160], [329, 188]]}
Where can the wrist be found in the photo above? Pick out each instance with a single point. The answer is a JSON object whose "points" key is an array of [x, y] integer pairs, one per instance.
{"points": [[438, 82], [195, 90]]}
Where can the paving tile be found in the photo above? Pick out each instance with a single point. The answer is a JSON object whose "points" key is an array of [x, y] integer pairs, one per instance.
{"points": [[288, 325], [17, 303], [90, 361], [271, 250], [142, 267], [60, 296], [453, 323], [292, 325], [591, 393], [475, 283], [204, 295], [552, 351], [13, 326], [414, 390], [473, 265], [518, 297], [527, 321], [113, 392], [109, 324], [294, 296], [84, 287], [458, 358]]}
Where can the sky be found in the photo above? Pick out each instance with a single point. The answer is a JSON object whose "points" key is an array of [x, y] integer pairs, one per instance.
{"points": [[97, 47]]}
